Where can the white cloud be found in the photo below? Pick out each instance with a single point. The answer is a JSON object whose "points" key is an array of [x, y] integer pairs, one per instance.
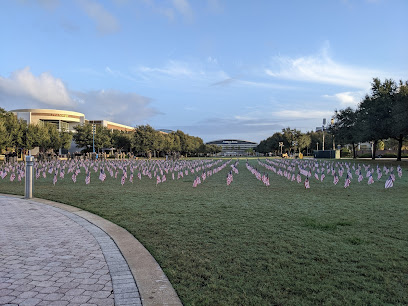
{"points": [[113, 105], [44, 89], [24, 90], [184, 8], [347, 98], [321, 68], [172, 68], [106, 23], [303, 114]]}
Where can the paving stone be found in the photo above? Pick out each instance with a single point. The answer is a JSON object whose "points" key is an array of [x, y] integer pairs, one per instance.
{"points": [[28, 294], [30, 302], [6, 299], [53, 257], [80, 299], [75, 291]]}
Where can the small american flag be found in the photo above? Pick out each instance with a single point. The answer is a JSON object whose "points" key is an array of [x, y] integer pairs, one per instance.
{"points": [[370, 180], [360, 177], [335, 179], [307, 184], [399, 170], [54, 180], [88, 178], [229, 178], [347, 182], [122, 180], [102, 175], [389, 182]]}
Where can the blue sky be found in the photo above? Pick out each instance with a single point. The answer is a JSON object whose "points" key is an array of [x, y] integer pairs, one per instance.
{"points": [[212, 68]]}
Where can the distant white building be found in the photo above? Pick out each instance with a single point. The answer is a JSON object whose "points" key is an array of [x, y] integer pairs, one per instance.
{"points": [[234, 147], [64, 120]]}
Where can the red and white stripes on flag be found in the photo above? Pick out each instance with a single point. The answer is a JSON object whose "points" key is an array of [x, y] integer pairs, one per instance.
{"points": [[347, 182], [88, 178], [389, 182], [307, 184], [335, 179], [230, 178]]}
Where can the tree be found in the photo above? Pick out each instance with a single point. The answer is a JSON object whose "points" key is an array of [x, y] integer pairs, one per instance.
{"points": [[346, 128], [66, 139], [84, 138], [144, 139], [291, 138], [376, 112], [122, 141], [13, 130], [271, 144], [83, 135], [304, 141], [399, 129]]}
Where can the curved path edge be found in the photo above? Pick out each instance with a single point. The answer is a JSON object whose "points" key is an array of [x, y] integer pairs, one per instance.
{"points": [[154, 286]]}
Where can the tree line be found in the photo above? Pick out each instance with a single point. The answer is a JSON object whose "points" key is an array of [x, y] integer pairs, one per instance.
{"points": [[142, 141], [16, 134], [382, 115], [293, 141]]}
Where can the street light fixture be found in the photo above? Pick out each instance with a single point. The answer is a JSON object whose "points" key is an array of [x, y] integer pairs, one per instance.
{"points": [[324, 123], [93, 137]]}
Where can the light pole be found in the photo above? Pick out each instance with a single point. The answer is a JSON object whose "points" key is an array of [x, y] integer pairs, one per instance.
{"points": [[281, 146], [332, 125], [29, 177], [93, 137], [324, 123]]}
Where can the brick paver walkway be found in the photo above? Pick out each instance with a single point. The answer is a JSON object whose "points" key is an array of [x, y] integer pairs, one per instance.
{"points": [[52, 257]]}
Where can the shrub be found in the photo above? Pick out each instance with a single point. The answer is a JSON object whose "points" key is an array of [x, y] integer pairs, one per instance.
{"points": [[345, 152]]}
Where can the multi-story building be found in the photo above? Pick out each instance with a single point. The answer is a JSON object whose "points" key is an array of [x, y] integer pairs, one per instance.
{"points": [[62, 119], [112, 125], [234, 147]]}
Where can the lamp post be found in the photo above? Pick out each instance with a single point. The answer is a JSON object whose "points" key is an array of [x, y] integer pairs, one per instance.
{"points": [[29, 177], [324, 123], [281, 146], [93, 137]]}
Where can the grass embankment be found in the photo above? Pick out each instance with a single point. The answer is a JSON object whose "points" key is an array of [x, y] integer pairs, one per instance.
{"points": [[247, 244]]}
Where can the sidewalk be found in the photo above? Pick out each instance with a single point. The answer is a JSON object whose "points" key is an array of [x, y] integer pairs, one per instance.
{"points": [[50, 256]]}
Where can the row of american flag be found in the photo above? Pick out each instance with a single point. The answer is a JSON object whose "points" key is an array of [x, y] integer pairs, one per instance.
{"points": [[293, 170], [126, 169], [337, 170]]}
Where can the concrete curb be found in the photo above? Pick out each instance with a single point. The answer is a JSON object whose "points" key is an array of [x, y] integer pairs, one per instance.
{"points": [[154, 287]]}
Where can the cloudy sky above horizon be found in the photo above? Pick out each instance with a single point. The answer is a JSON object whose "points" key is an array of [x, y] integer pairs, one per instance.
{"points": [[212, 68]]}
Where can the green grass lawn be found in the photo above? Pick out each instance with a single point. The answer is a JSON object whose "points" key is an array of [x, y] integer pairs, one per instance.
{"points": [[248, 244]]}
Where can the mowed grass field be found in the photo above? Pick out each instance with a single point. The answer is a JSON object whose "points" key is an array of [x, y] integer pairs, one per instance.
{"points": [[248, 244]]}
